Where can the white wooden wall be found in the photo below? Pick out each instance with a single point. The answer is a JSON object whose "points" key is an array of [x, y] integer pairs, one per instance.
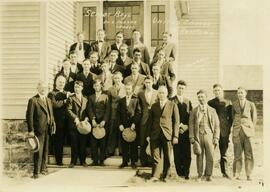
{"points": [[19, 56]]}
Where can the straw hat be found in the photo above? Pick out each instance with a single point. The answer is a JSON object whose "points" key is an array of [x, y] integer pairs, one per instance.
{"points": [[99, 132], [33, 143], [84, 127], [129, 135]]}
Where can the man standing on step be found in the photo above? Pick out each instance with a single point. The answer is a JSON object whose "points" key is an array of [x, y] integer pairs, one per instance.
{"points": [[40, 122], [223, 108]]}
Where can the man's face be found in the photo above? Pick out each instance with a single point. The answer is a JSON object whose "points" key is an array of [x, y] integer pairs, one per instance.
{"points": [[119, 38], [66, 65], [101, 35], [80, 38], [136, 35], [93, 58], [180, 89], [148, 83], [42, 89], [97, 87], [113, 56], [161, 55], [123, 50], [156, 70], [129, 89], [60, 83], [218, 92], [241, 94], [78, 89], [117, 79], [134, 69], [86, 65], [162, 93], [137, 56], [202, 98], [73, 58]]}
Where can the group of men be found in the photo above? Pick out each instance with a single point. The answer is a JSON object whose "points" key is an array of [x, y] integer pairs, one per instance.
{"points": [[116, 88]]}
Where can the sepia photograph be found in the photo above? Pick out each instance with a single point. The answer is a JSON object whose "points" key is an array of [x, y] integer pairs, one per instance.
{"points": [[129, 95]]}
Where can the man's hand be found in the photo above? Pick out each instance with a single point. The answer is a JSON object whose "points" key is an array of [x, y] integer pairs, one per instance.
{"points": [[175, 140], [132, 127], [31, 134], [215, 142], [181, 131], [69, 94], [121, 128], [77, 121], [102, 124], [94, 123], [192, 140]]}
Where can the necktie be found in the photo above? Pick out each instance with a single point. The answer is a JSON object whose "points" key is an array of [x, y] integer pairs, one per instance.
{"points": [[80, 46]]}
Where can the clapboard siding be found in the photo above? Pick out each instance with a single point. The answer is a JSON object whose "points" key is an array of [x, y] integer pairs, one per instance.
{"points": [[198, 47], [19, 55], [61, 22]]}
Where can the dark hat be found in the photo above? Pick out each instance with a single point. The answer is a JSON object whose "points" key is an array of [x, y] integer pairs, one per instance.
{"points": [[129, 135], [84, 127], [99, 132], [33, 143], [197, 148]]}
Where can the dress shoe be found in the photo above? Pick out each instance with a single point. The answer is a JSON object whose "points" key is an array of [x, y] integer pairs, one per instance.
{"points": [[35, 176], [123, 165], [85, 164], [226, 176], [133, 165], [102, 164], [59, 164], [249, 178], [209, 178], [163, 180], [154, 179], [94, 164], [186, 177], [199, 178], [71, 165]]}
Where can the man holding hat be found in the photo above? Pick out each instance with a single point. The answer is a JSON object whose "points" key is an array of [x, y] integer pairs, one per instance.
{"points": [[98, 111], [76, 112], [129, 116], [40, 121]]}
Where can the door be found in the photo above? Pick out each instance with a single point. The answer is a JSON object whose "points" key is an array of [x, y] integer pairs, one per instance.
{"points": [[122, 16]]}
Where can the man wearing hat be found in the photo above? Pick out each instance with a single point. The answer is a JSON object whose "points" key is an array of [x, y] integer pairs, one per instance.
{"points": [[164, 130], [204, 130], [76, 112], [98, 112], [129, 116], [40, 121]]}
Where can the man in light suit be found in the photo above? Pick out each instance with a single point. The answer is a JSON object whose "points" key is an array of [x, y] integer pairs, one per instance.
{"points": [[82, 49], [101, 46], [40, 121], [106, 76], [164, 130], [76, 112], [244, 122], [147, 97], [135, 78], [204, 129], [223, 108]]}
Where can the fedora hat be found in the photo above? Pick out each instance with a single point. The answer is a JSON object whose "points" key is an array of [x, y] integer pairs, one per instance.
{"points": [[99, 132], [129, 135], [84, 127], [33, 143], [197, 148]]}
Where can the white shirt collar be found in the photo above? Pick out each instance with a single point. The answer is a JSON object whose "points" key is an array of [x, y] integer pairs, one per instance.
{"points": [[180, 98]]}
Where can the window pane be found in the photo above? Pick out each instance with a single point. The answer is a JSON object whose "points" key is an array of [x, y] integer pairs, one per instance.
{"points": [[154, 8], [161, 8]]}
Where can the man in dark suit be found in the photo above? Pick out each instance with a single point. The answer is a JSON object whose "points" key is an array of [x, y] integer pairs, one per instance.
{"points": [[182, 150], [101, 46], [87, 78], [164, 129], [76, 112], [159, 80], [119, 40], [129, 116], [204, 129], [95, 67], [81, 49], [69, 76], [223, 108], [75, 66], [244, 121], [58, 97], [147, 97], [40, 121], [123, 59], [144, 68], [98, 112], [113, 65]]}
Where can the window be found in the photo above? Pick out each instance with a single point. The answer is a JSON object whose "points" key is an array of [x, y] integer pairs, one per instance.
{"points": [[157, 24], [89, 23]]}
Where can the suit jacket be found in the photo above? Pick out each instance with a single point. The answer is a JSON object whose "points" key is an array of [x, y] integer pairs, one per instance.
{"points": [[38, 115], [166, 70], [115, 96], [107, 80], [170, 51], [59, 107], [144, 69], [99, 108], [87, 83], [164, 120], [144, 52], [79, 68], [105, 50], [162, 80], [86, 48], [224, 112], [137, 84], [194, 120], [245, 118], [184, 109], [117, 67], [129, 114], [125, 63], [69, 86], [75, 109]]}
